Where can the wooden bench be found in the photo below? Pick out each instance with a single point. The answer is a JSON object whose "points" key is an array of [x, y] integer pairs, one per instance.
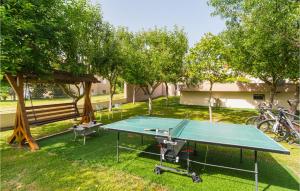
{"points": [[44, 114]]}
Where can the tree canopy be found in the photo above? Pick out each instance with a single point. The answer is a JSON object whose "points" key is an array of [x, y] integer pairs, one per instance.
{"points": [[262, 36], [207, 62], [39, 36], [110, 56], [155, 57]]}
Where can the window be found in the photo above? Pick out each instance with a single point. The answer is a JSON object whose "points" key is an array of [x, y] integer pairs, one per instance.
{"points": [[259, 96], [104, 91]]}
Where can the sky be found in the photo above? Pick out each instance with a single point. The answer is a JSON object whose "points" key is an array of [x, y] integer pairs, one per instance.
{"points": [[193, 15]]}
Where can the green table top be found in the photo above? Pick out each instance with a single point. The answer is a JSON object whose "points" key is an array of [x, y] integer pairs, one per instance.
{"points": [[232, 135]]}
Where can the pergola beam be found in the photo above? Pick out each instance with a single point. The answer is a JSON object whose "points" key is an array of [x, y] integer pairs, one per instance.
{"points": [[21, 130]]}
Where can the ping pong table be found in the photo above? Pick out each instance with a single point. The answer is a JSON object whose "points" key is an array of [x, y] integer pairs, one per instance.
{"points": [[173, 134]]}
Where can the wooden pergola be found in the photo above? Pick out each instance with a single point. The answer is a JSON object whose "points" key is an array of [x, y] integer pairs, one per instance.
{"points": [[21, 133]]}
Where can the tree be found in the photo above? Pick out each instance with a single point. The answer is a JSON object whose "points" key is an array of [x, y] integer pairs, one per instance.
{"points": [[263, 37], [152, 52], [110, 59], [84, 26], [147, 53], [177, 45], [39, 37], [207, 62], [165, 49], [133, 72]]}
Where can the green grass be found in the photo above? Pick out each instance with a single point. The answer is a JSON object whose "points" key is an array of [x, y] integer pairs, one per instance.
{"points": [[12, 104], [62, 164]]}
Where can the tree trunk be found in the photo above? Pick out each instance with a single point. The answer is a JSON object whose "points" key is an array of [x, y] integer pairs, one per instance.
{"points": [[295, 102], [167, 93], [209, 102], [111, 94], [21, 131], [133, 96], [110, 101], [175, 85], [88, 112], [149, 104], [272, 94]]}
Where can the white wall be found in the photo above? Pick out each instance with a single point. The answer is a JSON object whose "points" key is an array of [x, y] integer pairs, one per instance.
{"points": [[231, 99]]}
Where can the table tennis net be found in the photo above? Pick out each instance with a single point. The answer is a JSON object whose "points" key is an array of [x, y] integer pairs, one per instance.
{"points": [[176, 131]]}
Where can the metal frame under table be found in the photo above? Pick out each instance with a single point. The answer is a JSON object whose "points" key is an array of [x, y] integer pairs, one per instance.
{"points": [[187, 171], [85, 130]]}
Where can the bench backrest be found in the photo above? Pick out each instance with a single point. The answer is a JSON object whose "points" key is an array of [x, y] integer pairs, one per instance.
{"points": [[43, 114]]}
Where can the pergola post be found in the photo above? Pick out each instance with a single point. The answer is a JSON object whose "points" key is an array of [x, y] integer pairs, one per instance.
{"points": [[88, 112], [21, 129]]}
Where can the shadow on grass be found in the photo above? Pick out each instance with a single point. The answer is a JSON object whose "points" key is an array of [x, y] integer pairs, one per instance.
{"points": [[270, 171], [100, 150]]}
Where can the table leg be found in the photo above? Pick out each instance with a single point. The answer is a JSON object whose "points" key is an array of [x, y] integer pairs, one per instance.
{"points": [[241, 155], [256, 170], [188, 158], [118, 137], [160, 159], [99, 128]]}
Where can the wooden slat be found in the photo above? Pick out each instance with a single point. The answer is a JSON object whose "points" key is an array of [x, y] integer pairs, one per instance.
{"points": [[58, 114], [43, 114], [54, 119], [49, 110], [48, 106]]}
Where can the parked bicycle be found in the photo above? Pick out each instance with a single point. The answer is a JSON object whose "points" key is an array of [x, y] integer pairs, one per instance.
{"points": [[285, 126], [265, 112]]}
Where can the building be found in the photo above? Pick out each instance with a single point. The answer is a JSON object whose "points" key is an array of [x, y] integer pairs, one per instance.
{"points": [[141, 96], [236, 95], [102, 87]]}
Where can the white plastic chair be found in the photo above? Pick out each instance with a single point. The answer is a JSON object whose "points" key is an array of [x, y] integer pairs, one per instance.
{"points": [[99, 108], [117, 108]]}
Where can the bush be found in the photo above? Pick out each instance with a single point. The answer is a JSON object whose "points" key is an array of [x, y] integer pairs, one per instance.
{"points": [[4, 92]]}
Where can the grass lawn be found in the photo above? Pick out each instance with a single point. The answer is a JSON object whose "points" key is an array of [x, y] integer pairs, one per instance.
{"points": [[62, 164], [12, 104]]}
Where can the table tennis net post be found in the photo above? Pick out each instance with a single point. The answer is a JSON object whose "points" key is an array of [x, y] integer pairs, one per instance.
{"points": [[176, 131]]}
